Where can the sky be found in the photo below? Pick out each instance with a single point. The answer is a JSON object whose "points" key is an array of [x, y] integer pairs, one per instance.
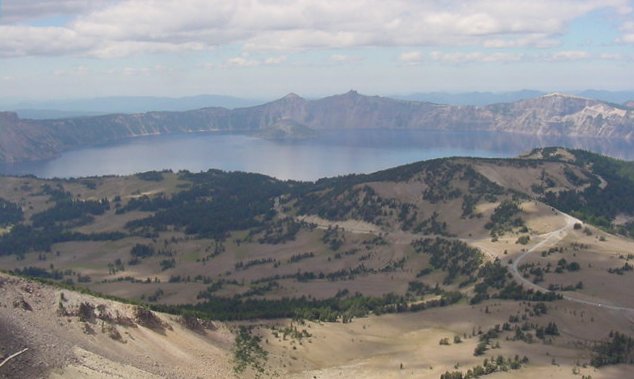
{"points": [[61, 49]]}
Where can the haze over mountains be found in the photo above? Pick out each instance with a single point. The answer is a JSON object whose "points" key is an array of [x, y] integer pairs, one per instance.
{"points": [[549, 115], [44, 109], [122, 104], [487, 98]]}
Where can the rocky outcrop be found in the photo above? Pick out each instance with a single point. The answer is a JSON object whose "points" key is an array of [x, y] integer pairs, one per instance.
{"points": [[286, 129]]}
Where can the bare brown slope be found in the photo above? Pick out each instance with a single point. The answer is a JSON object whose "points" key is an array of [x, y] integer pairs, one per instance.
{"points": [[114, 343]]}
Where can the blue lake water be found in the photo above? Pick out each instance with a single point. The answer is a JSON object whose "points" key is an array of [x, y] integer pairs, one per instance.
{"points": [[331, 153]]}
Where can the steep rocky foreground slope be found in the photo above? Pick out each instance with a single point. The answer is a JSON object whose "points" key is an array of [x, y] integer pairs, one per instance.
{"points": [[72, 335], [555, 115]]}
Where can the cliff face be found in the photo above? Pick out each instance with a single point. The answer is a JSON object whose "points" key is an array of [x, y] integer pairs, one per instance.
{"points": [[555, 115], [563, 115]]}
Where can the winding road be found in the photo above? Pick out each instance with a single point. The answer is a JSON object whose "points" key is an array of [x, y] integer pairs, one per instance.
{"points": [[550, 239]]}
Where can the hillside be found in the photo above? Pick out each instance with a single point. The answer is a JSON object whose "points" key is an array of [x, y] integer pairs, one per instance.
{"points": [[358, 228], [65, 334], [73, 335], [553, 115], [286, 129], [378, 267], [174, 238]]}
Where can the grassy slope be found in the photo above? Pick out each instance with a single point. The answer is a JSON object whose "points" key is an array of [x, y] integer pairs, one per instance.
{"points": [[407, 203], [395, 200]]}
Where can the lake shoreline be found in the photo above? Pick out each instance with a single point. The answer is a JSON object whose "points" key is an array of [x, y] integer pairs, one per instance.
{"points": [[330, 153]]}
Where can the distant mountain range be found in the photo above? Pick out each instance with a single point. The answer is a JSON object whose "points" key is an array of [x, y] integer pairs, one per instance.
{"points": [[552, 114], [122, 104], [139, 104], [488, 98]]}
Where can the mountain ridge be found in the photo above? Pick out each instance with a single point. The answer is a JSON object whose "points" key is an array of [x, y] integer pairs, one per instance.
{"points": [[487, 98], [551, 114], [122, 104]]}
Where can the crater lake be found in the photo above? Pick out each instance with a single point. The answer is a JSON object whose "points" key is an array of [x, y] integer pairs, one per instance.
{"points": [[330, 153]]}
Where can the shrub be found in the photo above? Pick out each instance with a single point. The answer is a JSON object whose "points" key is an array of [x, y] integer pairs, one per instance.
{"points": [[86, 312], [147, 318], [523, 240]]}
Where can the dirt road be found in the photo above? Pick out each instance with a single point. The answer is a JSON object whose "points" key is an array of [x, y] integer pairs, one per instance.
{"points": [[550, 239]]}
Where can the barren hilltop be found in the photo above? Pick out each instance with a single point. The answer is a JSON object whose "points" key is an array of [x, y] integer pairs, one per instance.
{"points": [[450, 268], [553, 115]]}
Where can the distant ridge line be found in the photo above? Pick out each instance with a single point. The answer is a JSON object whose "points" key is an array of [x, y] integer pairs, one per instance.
{"points": [[548, 115]]}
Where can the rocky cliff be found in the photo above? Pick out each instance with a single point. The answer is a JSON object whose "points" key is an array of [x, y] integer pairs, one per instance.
{"points": [[553, 114]]}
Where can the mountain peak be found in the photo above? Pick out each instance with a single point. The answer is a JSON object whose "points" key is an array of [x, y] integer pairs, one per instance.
{"points": [[9, 116], [292, 96], [564, 95]]}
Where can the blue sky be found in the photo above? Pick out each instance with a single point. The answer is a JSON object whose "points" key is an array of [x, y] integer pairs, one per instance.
{"points": [[54, 49]]}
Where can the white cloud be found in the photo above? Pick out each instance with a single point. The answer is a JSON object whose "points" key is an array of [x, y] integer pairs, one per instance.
{"points": [[275, 60], [118, 28], [245, 60], [628, 32], [570, 55], [135, 71], [343, 58], [411, 57], [26, 40], [539, 40], [20, 11], [241, 62], [470, 57], [127, 48], [611, 56], [74, 71]]}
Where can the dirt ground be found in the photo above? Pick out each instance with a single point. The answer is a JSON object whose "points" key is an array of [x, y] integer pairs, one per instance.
{"points": [[390, 346], [376, 347], [65, 347]]}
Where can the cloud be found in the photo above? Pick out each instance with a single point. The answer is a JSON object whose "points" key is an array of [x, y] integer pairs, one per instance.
{"points": [[470, 57], [275, 60], [627, 30], [570, 55], [245, 60], [127, 48], [26, 40], [241, 62], [80, 70], [342, 58], [138, 70], [20, 11], [539, 40], [119, 28], [411, 57], [611, 56]]}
